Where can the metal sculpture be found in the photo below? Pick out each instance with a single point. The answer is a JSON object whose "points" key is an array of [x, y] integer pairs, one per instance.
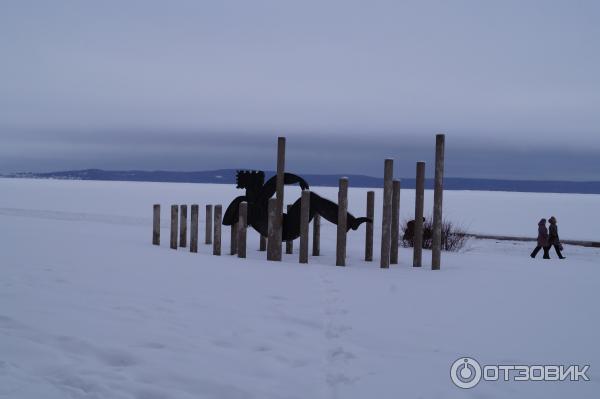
{"points": [[257, 196]]}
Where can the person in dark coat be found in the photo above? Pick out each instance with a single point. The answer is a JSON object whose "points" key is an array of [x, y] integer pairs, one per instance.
{"points": [[553, 240], [542, 240], [409, 233]]}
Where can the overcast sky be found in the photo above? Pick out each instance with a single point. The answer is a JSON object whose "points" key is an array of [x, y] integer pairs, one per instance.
{"points": [[196, 85]]}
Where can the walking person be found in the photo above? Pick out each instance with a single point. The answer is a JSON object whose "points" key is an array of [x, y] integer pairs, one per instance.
{"points": [[542, 240], [553, 239]]}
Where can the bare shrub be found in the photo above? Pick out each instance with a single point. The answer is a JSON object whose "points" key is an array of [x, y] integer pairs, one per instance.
{"points": [[454, 237]]}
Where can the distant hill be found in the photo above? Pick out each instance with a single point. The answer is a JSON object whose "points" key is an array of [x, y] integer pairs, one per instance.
{"points": [[227, 176]]}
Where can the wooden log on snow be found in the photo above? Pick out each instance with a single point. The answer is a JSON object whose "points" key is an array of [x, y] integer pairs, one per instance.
{"points": [[208, 229], [279, 195], [174, 225], [289, 244], [273, 245], [183, 226], [369, 226], [386, 219], [304, 220], [194, 228], [218, 214], [156, 224], [340, 253], [262, 245], [395, 236], [242, 225], [233, 238], [419, 201], [316, 243], [438, 194]]}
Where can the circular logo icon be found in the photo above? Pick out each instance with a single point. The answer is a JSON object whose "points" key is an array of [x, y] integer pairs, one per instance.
{"points": [[465, 372]]}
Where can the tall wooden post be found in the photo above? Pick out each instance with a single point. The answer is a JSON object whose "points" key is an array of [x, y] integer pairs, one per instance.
{"points": [[419, 200], [262, 245], [395, 222], [233, 238], [217, 230], [279, 193], [340, 253], [174, 225], [369, 226], [273, 246], [194, 228], [304, 220], [386, 220], [438, 193], [242, 225], [156, 224], [316, 243], [208, 230], [183, 226], [289, 244]]}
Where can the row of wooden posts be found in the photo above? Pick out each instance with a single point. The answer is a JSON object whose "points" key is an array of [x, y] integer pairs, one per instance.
{"points": [[390, 233]]}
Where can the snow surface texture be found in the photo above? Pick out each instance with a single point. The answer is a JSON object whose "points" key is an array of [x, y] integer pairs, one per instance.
{"points": [[90, 309]]}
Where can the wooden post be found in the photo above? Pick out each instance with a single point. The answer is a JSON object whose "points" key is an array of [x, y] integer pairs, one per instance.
{"points": [[273, 246], [217, 230], [304, 220], [262, 246], [279, 194], [419, 200], [183, 226], [194, 228], [174, 224], [386, 220], [395, 222], [242, 224], [316, 244], [156, 225], [208, 225], [340, 253], [369, 226], [438, 193], [233, 238], [289, 244]]}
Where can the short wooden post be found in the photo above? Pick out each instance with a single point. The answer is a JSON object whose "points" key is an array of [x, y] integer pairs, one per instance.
{"points": [[262, 246], [273, 245], [194, 228], [316, 243], [279, 195], [242, 224], [156, 225], [174, 225], [395, 240], [183, 226], [419, 200], [289, 244], [386, 220], [233, 238], [304, 220], [217, 230], [208, 230], [438, 193], [369, 226], [340, 253]]}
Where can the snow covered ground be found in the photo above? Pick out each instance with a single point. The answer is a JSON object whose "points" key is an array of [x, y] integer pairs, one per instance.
{"points": [[89, 309]]}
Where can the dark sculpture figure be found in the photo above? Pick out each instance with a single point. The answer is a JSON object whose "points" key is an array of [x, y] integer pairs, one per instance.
{"points": [[258, 194]]}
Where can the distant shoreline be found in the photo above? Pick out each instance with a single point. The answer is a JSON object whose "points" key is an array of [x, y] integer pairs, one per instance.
{"points": [[227, 176]]}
